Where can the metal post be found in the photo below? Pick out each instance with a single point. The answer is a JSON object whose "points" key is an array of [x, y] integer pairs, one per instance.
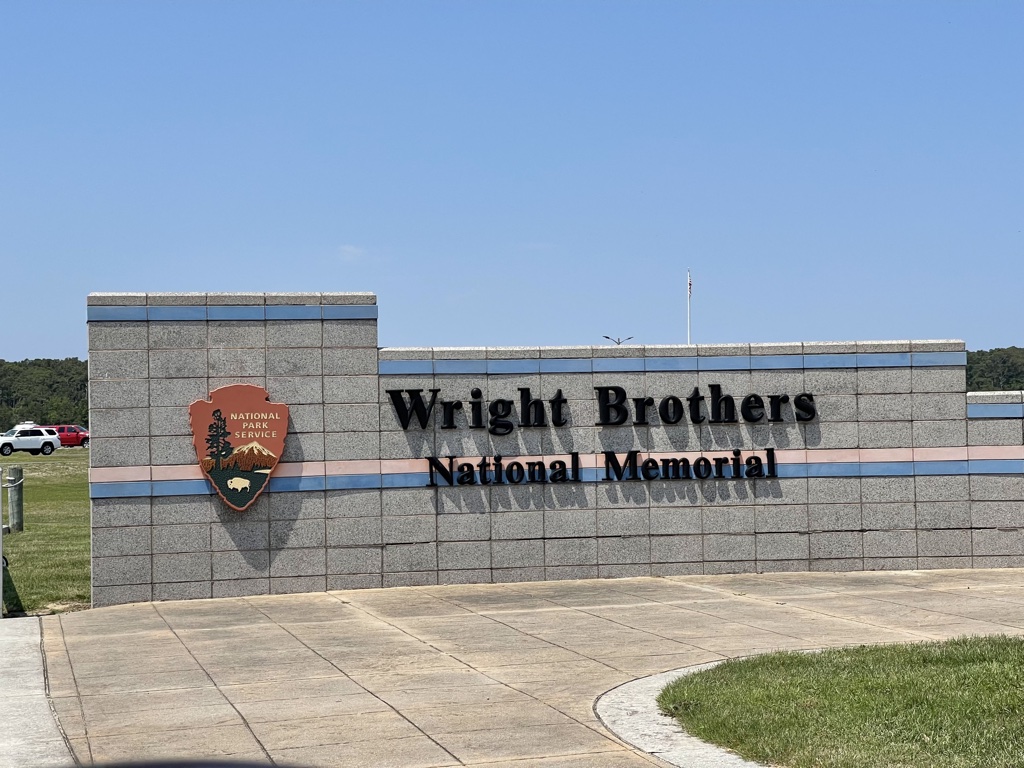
{"points": [[15, 498]]}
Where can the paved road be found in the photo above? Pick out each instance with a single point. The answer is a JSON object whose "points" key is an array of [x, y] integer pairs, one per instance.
{"points": [[459, 675]]}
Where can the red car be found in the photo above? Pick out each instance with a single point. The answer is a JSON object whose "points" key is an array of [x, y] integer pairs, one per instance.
{"points": [[71, 435]]}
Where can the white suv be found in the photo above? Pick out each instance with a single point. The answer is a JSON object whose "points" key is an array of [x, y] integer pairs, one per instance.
{"points": [[33, 439]]}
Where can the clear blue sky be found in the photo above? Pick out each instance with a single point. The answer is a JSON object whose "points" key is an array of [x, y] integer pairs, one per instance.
{"points": [[522, 172]]}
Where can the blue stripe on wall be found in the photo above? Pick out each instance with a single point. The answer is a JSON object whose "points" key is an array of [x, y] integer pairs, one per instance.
{"points": [[177, 313], [343, 482], [924, 359], [236, 313], [120, 490], [618, 364], [883, 360], [641, 364], [313, 483], [887, 469], [406, 368], [995, 410], [460, 366], [182, 487], [566, 365], [531, 365], [670, 364], [350, 312], [293, 312], [116, 314]]}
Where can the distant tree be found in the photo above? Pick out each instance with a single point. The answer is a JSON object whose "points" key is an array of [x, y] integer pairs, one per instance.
{"points": [[44, 391], [217, 439], [995, 369]]}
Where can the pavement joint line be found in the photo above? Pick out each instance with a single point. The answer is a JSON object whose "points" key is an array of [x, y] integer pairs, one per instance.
{"points": [[705, 613], [354, 680], [899, 604], [527, 693], [78, 692], [49, 698], [31, 734], [214, 683], [819, 612], [611, 736]]}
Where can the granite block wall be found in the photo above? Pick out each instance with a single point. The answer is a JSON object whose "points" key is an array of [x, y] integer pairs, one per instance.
{"points": [[898, 468]]}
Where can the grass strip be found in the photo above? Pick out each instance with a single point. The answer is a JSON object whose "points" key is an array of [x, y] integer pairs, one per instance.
{"points": [[953, 704], [49, 560]]}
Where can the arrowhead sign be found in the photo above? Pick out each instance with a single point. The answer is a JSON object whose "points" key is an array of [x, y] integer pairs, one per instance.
{"points": [[239, 437]]}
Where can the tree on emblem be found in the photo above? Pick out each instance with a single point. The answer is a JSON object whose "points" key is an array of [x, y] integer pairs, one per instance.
{"points": [[217, 439]]}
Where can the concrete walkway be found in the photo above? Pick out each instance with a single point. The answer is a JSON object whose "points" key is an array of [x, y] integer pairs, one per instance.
{"points": [[28, 733], [502, 675]]}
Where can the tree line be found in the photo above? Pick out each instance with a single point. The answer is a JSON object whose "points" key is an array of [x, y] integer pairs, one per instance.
{"points": [[57, 391], [44, 391], [995, 370]]}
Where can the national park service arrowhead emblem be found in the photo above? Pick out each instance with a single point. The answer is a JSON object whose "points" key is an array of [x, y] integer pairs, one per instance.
{"points": [[239, 436]]}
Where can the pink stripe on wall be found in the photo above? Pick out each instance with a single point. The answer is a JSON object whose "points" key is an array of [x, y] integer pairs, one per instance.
{"points": [[178, 472], [940, 454], [996, 452], [403, 466], [300, 469], [886, 454], [833, 456], [791, 456], [360, 467], [118, 474]]}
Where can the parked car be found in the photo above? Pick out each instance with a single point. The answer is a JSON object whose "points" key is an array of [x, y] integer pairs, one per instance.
{"points": [[71, 435], [34, 439]]}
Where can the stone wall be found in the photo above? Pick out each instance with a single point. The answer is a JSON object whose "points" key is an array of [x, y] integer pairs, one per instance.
{"points": [[898, 468]]}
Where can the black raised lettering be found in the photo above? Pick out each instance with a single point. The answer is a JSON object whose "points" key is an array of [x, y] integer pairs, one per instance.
{"points": [[752, 408], [536, 472], [694, 401], [671, 410], [804, 405], [675, 469], [514, 472], [500, 410], [467, 474], [702, 467], [446, 473], [448, 409], [557, 419], [476, 409], [775, 406], [610, 408], [531, 411], [641, 404], [415, 406], [615, 471], [723, 407], [755, 467]]}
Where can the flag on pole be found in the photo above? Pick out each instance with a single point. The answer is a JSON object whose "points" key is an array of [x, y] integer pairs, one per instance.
{"points": [[689, 284]]}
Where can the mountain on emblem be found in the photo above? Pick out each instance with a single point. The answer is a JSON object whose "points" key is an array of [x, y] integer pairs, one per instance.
{"points": [[239, 437]]}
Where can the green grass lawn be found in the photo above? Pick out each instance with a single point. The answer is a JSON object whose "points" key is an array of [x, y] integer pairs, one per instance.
{"points": [[957, 704], [49, 560]]}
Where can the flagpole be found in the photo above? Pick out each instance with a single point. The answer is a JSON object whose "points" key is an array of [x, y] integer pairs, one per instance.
{"points": [[689, 290]]}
